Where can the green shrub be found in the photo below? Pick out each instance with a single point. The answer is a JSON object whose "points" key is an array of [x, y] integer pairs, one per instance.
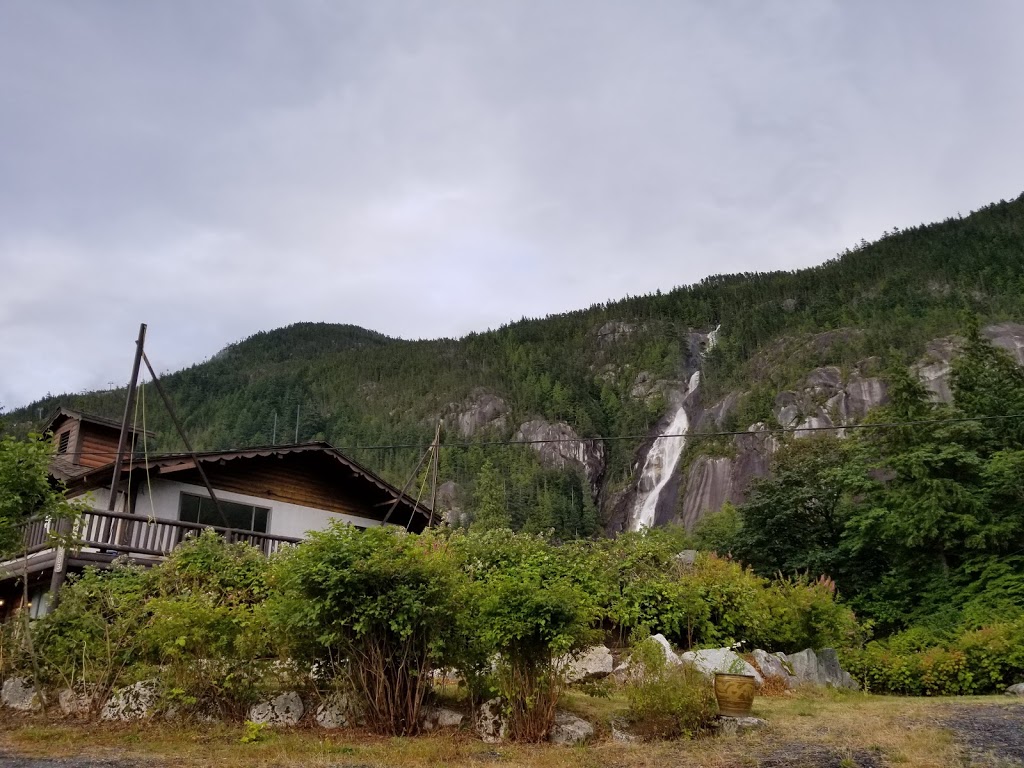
{"points": [[917, 663], [94, 640], [667, 701], [529, 611], [379, 607]]}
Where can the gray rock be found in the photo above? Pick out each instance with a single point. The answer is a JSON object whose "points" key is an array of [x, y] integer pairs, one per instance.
{"points": [[74, 703], [284, 709], [670, 656], [134, 702], [1015, 690], [687, 557], [569, 729], [19, 693], [1008, 336], [567, 449], [621, 732], [337, 710], [441, 717], [481, 410], [820, 669], [594, 662], [491, 723], [614, 330], [720, 660], [734, 726], [773, 665]]}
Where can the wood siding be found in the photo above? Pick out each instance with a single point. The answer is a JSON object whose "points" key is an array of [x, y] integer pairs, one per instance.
{"points": [[310, 480]]}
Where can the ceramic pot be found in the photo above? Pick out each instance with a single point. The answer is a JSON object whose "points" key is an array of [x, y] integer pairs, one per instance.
{"points": [[735, 694]]}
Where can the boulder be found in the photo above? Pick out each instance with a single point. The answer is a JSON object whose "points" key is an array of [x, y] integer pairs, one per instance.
{"points": [[734, 726], [74, 703], [1015, 690], [594, 662], [670, 656], [720, 660], [19, 693], [569, 729], [337, 710], [774, 665], [820, 669], [491, 723], [621, 732], [284, 709], [134, 702], [441, 717]]}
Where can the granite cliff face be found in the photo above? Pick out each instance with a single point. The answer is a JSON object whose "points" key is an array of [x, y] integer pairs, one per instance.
{"points": [[560, 447], [824, 400]]}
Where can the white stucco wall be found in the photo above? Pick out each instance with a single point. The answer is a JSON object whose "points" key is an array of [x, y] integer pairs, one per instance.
{"points": [[286, 519]]}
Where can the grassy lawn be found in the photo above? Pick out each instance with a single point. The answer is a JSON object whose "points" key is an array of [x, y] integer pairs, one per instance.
{"points": [[898, 731]]}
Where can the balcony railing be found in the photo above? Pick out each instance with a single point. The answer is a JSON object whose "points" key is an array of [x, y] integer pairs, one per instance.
{"points": [[116, 533]]}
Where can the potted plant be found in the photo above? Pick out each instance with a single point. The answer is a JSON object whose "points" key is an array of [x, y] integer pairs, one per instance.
{"points": [[735, 689]]}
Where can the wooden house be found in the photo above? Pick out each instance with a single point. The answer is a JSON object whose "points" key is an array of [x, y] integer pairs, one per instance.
{"points": [[269, 497]]}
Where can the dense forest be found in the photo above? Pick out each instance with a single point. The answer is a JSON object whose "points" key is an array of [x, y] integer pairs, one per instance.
{"points": [[381, 398]]}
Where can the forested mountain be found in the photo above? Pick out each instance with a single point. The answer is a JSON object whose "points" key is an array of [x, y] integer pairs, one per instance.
{"points": [[614, 371]]}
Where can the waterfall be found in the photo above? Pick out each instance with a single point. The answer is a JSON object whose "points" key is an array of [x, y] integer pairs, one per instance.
{"points": [[664, 455]]}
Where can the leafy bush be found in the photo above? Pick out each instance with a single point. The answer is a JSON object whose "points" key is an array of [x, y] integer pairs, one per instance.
{"points": [[667, 701], [914, 663], [94, 640], [375, 606], [529, 612]]}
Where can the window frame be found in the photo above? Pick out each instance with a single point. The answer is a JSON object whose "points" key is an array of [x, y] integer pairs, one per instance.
{"points": [[252, 506]]}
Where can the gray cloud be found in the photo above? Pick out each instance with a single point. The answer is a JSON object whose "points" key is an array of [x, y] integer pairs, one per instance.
{"points": [[428, 169]]}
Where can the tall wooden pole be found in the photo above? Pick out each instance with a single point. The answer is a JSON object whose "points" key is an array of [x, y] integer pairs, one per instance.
{"points": [[129, 403]]}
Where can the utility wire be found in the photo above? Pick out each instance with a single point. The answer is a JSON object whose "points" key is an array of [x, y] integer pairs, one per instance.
{"points": [[616, 438]]}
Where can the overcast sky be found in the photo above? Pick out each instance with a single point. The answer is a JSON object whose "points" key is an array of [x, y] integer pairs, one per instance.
{"points": [[430, 168]]}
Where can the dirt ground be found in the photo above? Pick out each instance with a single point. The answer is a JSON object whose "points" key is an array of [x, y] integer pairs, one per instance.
{"points": [[807, 731]]}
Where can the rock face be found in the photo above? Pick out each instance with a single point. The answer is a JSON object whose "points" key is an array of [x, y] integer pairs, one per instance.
{"points": [[481, 410], [1015, 690], [339, 710], [491, 724], [615, 330], [284, 709], [935, 367], [1008, 336], [19, 693], [441, 717], [569, 729], [720, 660], [773, 665], [570, 451], [134, 702], [595, 662], [820, 669]]}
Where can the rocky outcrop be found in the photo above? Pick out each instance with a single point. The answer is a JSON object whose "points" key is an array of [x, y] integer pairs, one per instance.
{"points": [[284, 709], [650, 390], [569, 729], [615, 330], [711, 661], [481, 411], [449, 504], [1008, 336], [18, 693], [133, 702], [560, 447], [935, 367], [820, 668]]}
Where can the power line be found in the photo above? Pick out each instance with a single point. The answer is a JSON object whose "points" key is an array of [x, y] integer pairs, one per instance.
{"points": [[617, 438]]}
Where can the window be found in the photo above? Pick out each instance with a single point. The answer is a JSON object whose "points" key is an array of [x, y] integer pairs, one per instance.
{"points": [[63, 441], [202, 510]]}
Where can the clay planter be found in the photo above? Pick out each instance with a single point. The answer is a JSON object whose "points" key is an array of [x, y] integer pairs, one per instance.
{"points": [[735, 694]]}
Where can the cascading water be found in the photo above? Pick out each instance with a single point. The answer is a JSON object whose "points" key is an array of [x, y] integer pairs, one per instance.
{"points": [[664, 455]]}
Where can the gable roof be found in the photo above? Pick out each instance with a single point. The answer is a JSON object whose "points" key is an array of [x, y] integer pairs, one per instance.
{"points": [[62, 414], [170, 463]]}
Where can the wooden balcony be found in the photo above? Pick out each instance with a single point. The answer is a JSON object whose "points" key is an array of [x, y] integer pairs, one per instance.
{"points": [[101, 537]]}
